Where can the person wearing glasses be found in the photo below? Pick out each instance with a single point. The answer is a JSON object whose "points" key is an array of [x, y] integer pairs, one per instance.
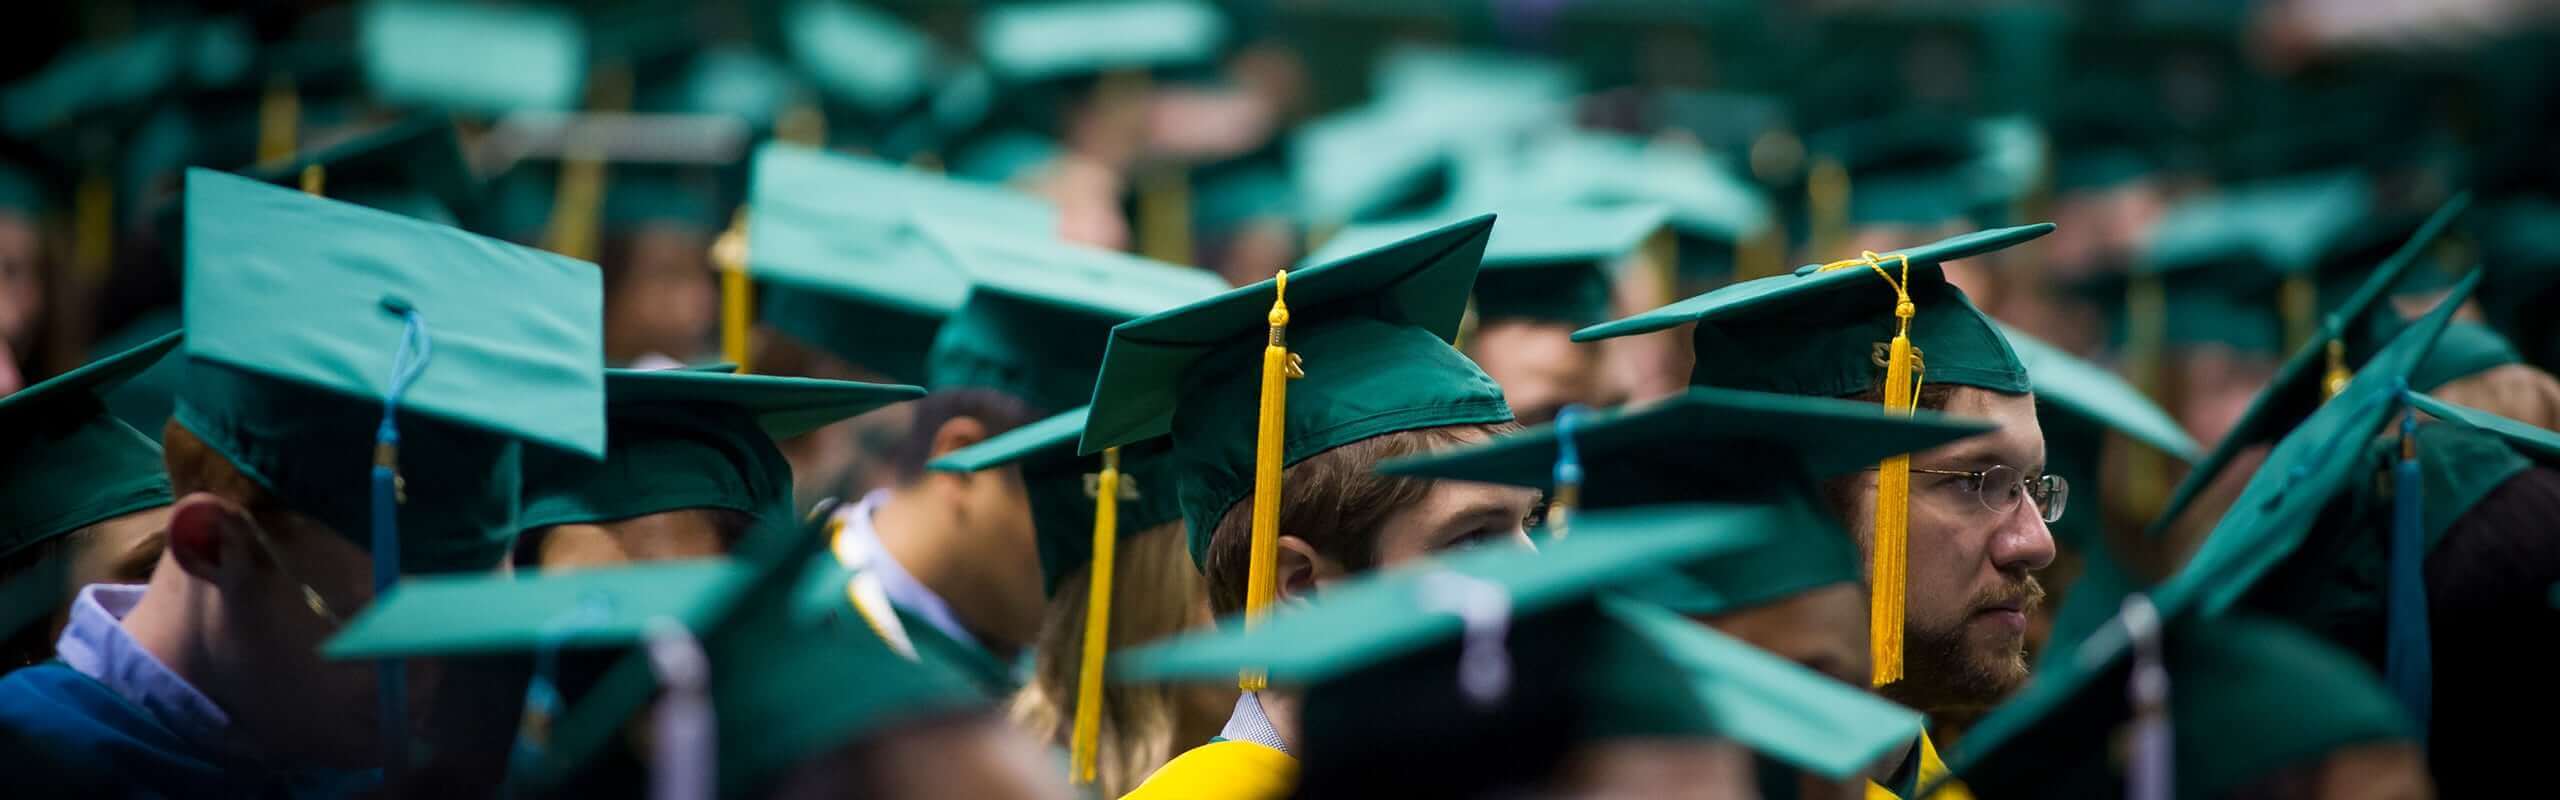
{"points": [[1952, 535]]}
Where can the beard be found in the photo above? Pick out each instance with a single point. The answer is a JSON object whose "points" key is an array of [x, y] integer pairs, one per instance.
{"points": [[1951, 670]]}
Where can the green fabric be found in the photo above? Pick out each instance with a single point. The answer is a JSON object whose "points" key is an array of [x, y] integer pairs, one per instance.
{"points": [[2247, 698], [2466, 349], [1547, 264], [1060, 482], [467, 615], [1776, 707], [1028, 42], [124, 73], [1711, 206], [1039, 313], [2284, 226], [1363, 162], [2320, 459], [1384, 614], [2294, 392], [292, 342], [990, 676], [1490, 76], [2523, 267], [70, 463], [1821, 333], [845, 267], [687, 439], [1373, 332], [2074, 386], [724, 79], [1913, 168], [413, 167], [24, 190], [476, 59], [858, 54], [1680, 450], [144, 400], [639, 196]]}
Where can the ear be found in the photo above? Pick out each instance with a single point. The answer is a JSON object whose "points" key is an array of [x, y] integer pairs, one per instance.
{"points": [[210, 537], [1302, 569], [957, 432]]}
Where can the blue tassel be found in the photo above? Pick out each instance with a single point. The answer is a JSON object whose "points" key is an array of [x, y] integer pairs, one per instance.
{"points": [[391, 679], [1568, 472], [2408, 663]]}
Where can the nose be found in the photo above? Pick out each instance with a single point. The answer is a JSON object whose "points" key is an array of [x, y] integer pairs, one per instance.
{"points": [[2023, 542]]}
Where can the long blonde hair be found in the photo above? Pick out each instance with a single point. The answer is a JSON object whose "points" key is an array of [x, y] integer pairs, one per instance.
{"points": [[1155, 593]]}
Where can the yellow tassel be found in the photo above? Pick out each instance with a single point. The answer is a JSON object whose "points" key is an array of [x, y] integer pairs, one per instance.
{"points": [[1261, 575], [279, 120], [1889, 583], [2146, 347], [93, 228], [1826, 189], [1164, 215], [1084, 750], [1663, 248], [2338, 376], [2301, 310], [314, 179], [737, 293]]}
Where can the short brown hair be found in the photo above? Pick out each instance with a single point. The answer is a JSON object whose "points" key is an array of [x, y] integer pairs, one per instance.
{"points": [[1336, 501], [196, 467]]}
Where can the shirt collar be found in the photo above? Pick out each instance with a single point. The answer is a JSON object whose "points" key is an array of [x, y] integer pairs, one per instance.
{"points": [[861, 549], [96, 644], [1250, 724]]}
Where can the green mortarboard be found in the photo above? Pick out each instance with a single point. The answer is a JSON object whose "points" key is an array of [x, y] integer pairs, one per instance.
{"points": [[1031, 42], [679, 439], [2246, 698], [1908, 169], [1364, 162], [1819, 330], [2226, 263], [2077, 404], [143, 401], [306, 317], [71, 465], [1003, 156], [725, 79], [681, 195], [858, 54], [1548, 264], [1061, 484], [473, 59], [1708, 203], [413, 167], [463, 615], [1683, 450], [1492, 78], [125, 74], [2299, 385], [1392, 637], [835, 243], [1373, 331], [1039, 312]]}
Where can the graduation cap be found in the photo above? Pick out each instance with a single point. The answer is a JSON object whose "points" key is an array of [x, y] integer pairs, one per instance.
{"points": [[834, 240], [1365, 162], [723, 79], [1373, 331], [1028, 43], [1910, 169], [1039, 312], [1714, 211], [473, 59], [2224, 262], [71, 465], [2215, 704], [1550, 264], [414, 167], [1412, 72], [1075, 528], [681, 439], [1392, 639], [317, 328], [714, 641], [859, 55], [1818, 331], [1680, 450], [126, 74]]}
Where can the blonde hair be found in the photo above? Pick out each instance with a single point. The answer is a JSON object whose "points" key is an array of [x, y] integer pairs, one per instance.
{"points": [[1155, 593]]}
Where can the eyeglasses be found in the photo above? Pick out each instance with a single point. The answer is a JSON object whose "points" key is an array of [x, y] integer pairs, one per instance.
{"points": [[2002, 486]]}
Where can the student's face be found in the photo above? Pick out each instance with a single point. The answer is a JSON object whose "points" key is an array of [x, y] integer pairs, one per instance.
{"points": [[1970, 568], [1453, 516], [1667, 768], [664, 536], [1538, 366], [1825, 630], [665, 300], [2390, 771]]}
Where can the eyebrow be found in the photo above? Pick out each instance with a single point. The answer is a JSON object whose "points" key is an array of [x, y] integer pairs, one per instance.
{"points": [[1975, 457]]}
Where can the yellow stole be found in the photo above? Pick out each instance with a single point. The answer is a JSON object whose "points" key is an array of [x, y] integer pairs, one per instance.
{"points": [[1222, 770], [1932, 770]]}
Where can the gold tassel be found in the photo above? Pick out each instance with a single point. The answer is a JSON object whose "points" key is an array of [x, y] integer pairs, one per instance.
{"points": [[1890, 582], [2146, 357], [1663, 248], [2301, 309], [737, 293], [1084, 748], [1826, 189], [314, 179], [1261, 575], [1164, 215], [93, 223], [279, 120], [2338, 375]]}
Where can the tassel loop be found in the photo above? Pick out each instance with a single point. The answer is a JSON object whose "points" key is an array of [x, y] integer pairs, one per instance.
{"points": [[1888, 579]]}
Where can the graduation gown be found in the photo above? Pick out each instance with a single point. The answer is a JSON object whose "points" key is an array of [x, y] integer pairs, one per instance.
{"points": [[1921, 768], [1223, 769], [64, 734]]}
